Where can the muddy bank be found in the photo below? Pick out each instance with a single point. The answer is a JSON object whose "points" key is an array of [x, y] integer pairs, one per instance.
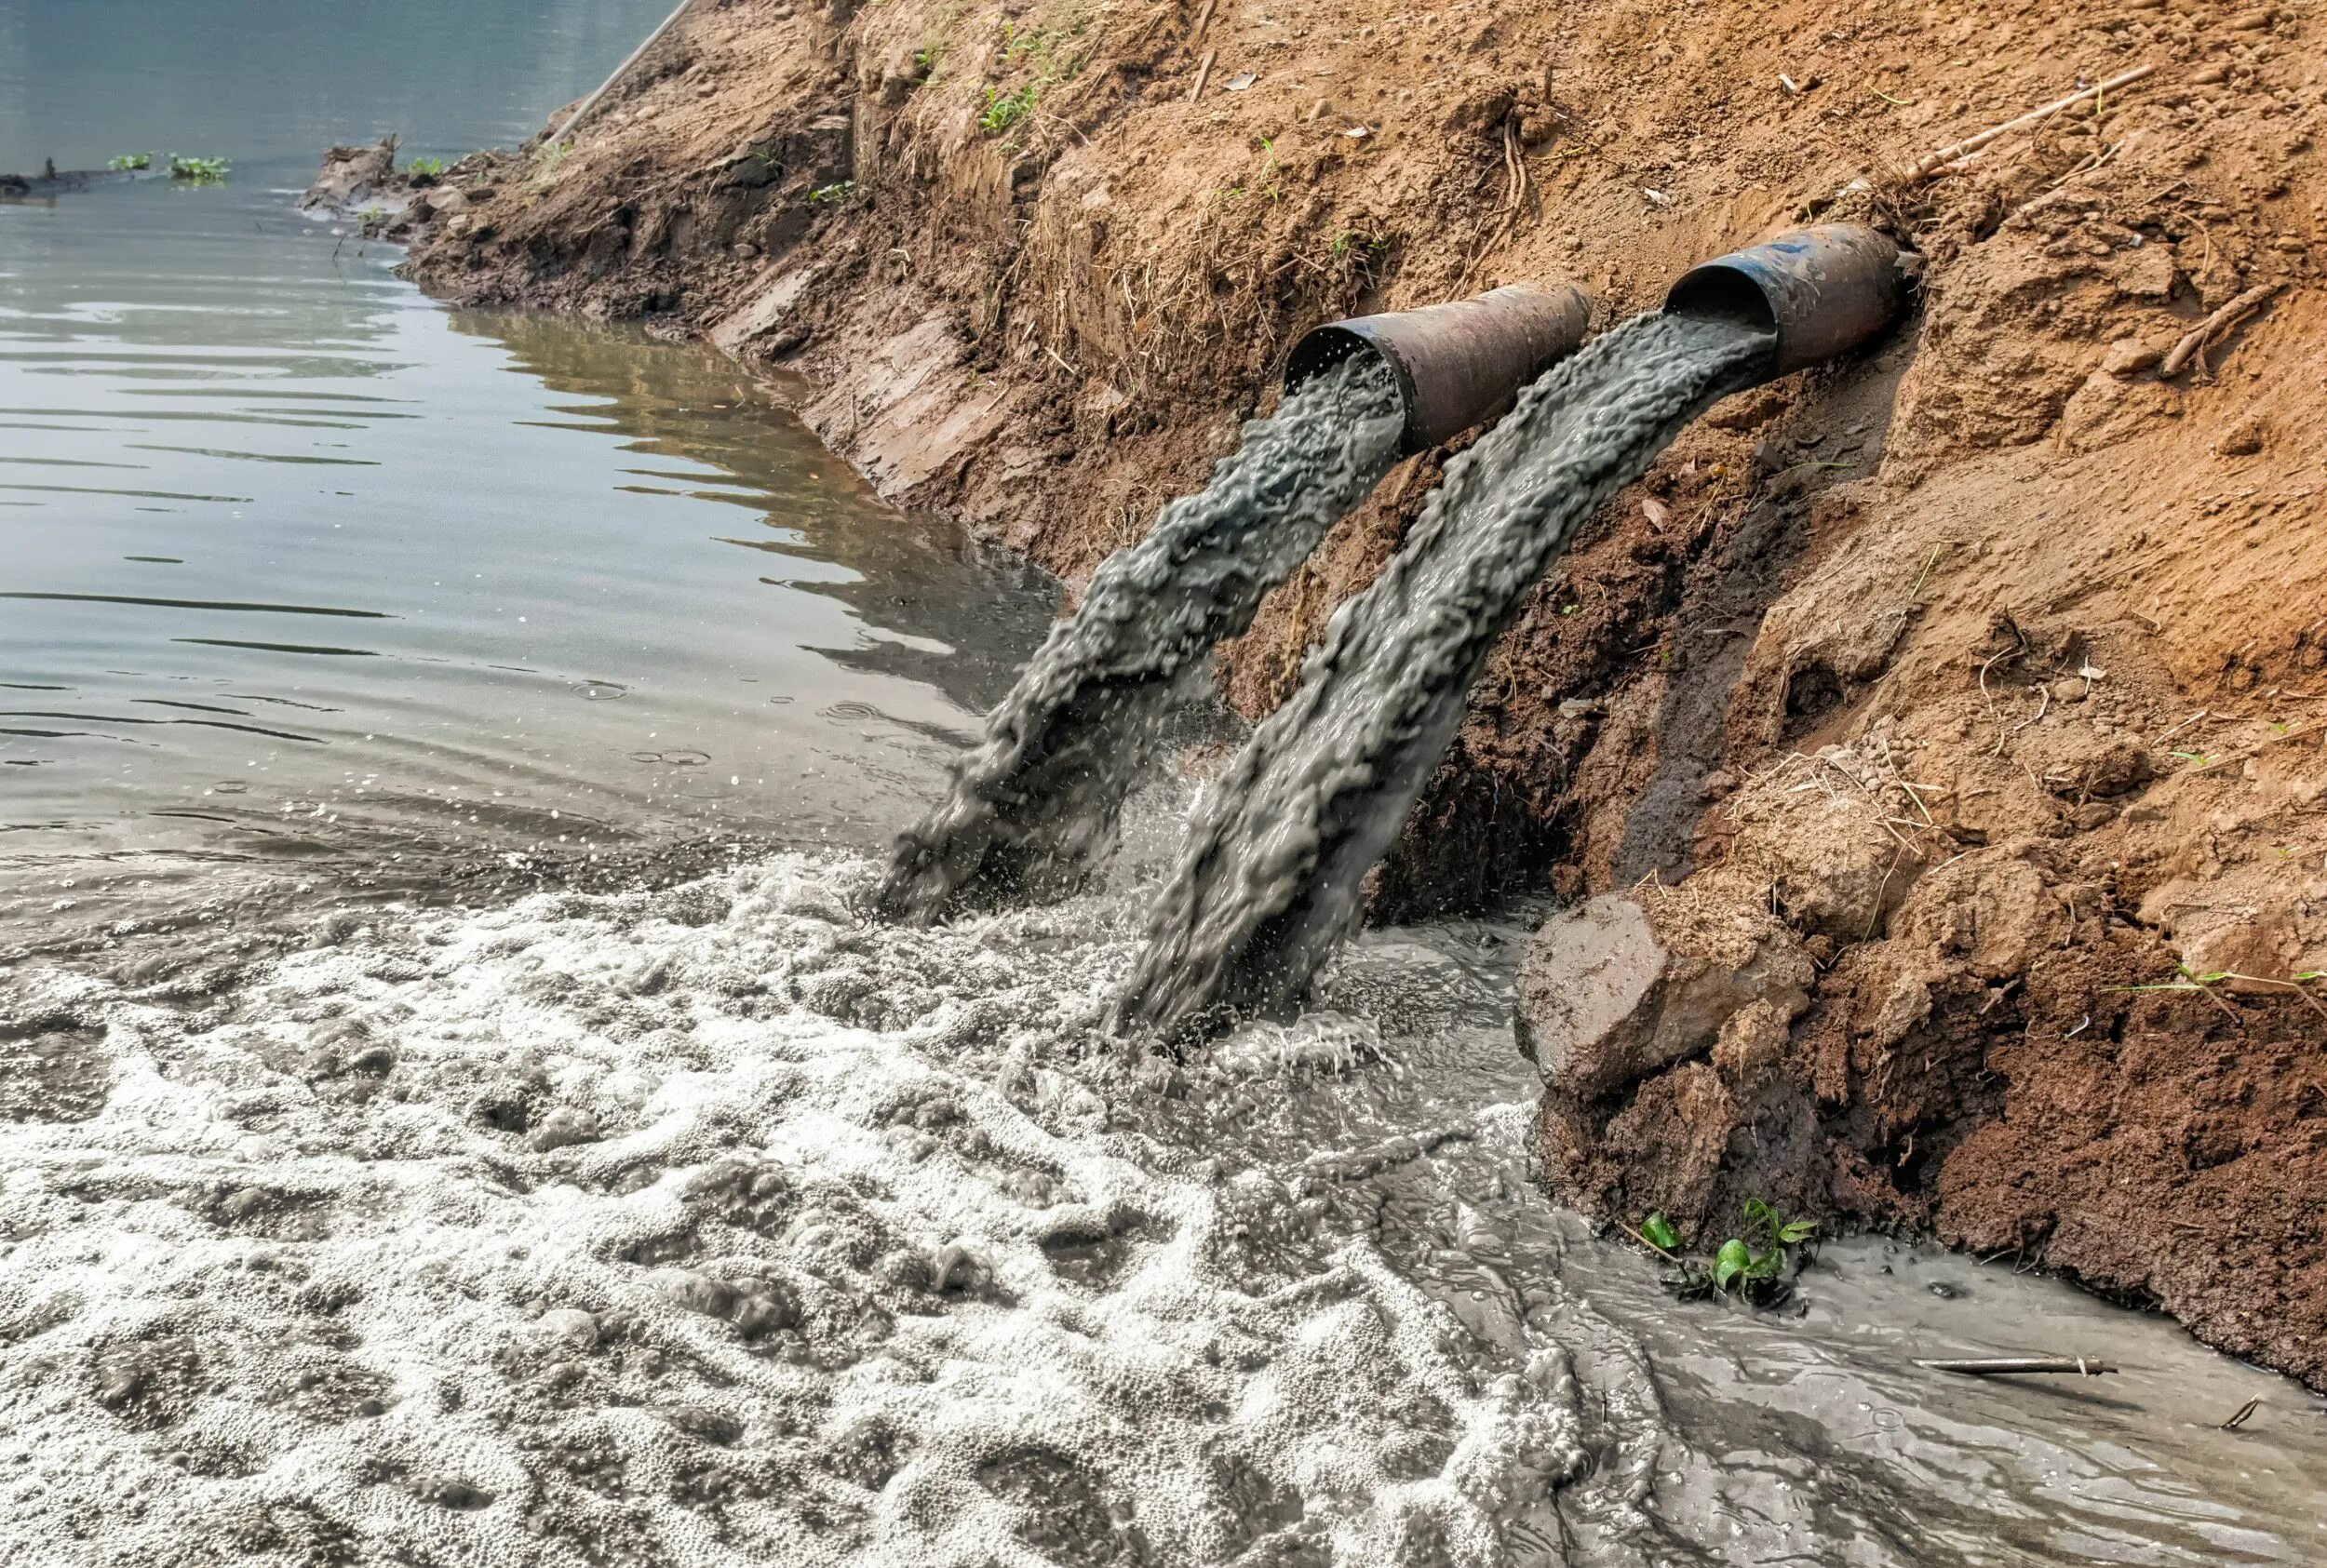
{"points": [[1976, 686]]}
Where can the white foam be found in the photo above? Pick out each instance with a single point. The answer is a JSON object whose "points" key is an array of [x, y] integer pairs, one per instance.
{"points": [[307, 1289]]}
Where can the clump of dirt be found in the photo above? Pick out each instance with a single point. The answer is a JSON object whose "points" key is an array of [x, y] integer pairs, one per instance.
{"points": [[1989, 670]]}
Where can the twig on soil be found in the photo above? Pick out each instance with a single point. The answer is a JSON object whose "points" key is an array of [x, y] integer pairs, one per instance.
{"points": [[2005, 1366], [2193, 719], [2210, 330], [2244, 1411], [1932, 164], [1203, 20], [1203, 74]]}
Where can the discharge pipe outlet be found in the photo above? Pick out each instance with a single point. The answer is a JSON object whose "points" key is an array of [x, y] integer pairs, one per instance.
{"points": [[1458, 363], [1823, 291]]}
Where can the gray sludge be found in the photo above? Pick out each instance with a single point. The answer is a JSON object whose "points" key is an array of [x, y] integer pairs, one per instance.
{"points": [[1269, 879], [1040, 796]]}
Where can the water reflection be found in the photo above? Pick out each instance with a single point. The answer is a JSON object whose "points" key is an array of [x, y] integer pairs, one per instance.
{"points": [[408, 577]]}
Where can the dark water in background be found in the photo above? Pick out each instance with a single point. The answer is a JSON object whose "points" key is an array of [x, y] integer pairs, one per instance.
{"points": [[292, 560]]}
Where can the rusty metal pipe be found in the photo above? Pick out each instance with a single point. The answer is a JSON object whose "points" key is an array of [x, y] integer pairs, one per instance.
{"points": [[1823, 291], [1458, 363]]}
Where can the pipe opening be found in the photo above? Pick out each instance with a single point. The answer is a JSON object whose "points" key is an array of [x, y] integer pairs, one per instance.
{"points": [[1321, 351], [1714, 292]]}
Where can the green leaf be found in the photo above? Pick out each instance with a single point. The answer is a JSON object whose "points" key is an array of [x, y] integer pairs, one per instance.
{"points": [[1797, 1232], [1764, 1264], [1760, 1213], [1659, 1233], [1730, 1261]]}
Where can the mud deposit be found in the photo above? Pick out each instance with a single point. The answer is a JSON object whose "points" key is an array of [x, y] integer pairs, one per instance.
{"points": [[716, 1226]]}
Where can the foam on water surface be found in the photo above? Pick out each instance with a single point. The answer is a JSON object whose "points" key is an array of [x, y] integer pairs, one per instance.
{"points": [[698, 1228], [720, 1225]]}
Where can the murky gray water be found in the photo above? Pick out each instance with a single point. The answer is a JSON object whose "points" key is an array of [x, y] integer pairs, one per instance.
{"points": [[296, 566], [714, 1224], [1036, 801], [1272, 875]]}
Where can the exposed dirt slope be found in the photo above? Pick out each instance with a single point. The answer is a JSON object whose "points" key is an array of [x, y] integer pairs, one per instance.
{"points": [[1970, 686]]}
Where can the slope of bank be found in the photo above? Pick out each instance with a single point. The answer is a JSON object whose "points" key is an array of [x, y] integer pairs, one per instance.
{"points": [[1943, 706]]}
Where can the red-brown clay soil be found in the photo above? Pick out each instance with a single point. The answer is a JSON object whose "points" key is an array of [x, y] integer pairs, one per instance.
{"points": [[1909, 719]]}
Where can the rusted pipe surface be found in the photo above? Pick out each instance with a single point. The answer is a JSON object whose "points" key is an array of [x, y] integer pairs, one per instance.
{"points": [[1457, 363], [1823, 291]]}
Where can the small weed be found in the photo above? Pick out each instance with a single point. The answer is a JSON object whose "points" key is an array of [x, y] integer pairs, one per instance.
{"points": [[1005, 109], [1751, 1266], [197, 171], [129, 162], [2188, 979], [832, 195], [424, 165], [551, 155]]}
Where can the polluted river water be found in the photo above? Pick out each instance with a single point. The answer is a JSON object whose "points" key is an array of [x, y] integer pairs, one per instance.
{"points": [[706, 1219]]}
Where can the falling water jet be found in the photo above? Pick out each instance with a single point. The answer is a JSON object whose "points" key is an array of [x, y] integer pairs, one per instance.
{"points": [[1038, 798], [1270, 879]]}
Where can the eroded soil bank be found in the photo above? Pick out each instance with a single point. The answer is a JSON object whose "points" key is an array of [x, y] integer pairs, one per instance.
{"points": [[1908, 721]]}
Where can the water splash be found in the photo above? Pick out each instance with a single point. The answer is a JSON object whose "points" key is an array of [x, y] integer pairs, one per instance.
{"points": [[1038, 798], [1270, 880]]}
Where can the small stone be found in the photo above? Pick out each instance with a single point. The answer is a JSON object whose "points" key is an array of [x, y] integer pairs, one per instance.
{"points": [[2129, 357], [2068, 690], [2242, 440], [745, 252]]}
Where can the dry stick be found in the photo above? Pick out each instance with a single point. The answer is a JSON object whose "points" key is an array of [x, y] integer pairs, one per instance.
{"points": [[1204, 18], [1931, 164], [1203, 74], [2005, 1366], [2215, 326], [620, 71]]}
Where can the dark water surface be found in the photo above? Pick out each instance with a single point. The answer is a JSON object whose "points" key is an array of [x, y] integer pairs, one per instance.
{"points": [[292, 558]]}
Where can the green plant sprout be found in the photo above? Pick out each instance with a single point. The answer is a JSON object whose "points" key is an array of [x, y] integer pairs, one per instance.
{"points": [[197, 171], [2188, 979], [1004, 110], [127, 162], [823, 194], [1751, 1266], [424, 165]]}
